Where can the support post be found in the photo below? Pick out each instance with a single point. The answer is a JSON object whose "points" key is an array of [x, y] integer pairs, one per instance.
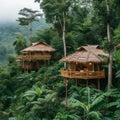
{"points": [[87, 84], [98, 83], [76, 82], [66, 92]]}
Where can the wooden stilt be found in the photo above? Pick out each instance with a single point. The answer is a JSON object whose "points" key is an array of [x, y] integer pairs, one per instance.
{"points": [[30, 66], [76, 82], [27, 66], [66, 91], [48, 62], [87, 84], [24, 66], [98, 83], [66, 95]]}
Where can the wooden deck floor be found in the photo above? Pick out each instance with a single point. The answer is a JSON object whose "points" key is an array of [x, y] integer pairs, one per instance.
{"points": [[33, 57], [83, 74]]}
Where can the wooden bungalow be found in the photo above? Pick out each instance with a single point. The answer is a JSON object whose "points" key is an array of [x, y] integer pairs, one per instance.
{"points": [[33, 57], [86, 63]]}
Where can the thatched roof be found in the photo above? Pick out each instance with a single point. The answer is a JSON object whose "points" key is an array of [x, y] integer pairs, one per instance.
{"points": [[88, 53], [39, 46]]}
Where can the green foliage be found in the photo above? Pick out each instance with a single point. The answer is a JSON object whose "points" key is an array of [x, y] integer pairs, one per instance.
{"points": [[11, 58], [97, 104], [39, 94], [33, 94], [20, 43], [108, 46], [116, 36], [90, 109], [38, 100], [49, 75], [116, 66]]}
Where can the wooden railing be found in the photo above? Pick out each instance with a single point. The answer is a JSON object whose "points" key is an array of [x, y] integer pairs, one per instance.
{"points": [[83, 74], [33, 57]]}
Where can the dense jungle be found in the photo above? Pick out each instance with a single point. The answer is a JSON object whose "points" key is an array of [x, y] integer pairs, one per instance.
{"points": [[42, 94]]}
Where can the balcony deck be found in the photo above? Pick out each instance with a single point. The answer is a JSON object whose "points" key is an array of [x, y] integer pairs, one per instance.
{"points": [[33, 57], [83, 74]]}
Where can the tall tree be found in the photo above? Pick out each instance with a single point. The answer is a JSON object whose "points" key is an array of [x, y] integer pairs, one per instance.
{"points": [[28, 16], [108, 21], [60, 14], [56, 12]]}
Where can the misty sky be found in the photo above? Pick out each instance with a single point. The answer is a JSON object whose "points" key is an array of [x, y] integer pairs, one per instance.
{"points": [[9, 8]]}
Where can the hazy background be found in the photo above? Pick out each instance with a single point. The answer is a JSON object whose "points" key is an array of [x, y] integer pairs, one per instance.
{"points": [[9, 8]]}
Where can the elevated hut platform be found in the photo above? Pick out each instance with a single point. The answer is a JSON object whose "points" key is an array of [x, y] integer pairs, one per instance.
{"points": [[86, 63], [31, 57]]}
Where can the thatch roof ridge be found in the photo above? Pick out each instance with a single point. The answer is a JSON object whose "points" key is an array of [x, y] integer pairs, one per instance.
{"points": [[93, 48], [85, 47], [38, 46], [36, 43]]}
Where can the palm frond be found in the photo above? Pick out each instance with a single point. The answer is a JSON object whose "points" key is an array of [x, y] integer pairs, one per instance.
{"points": [[111, 104], [74, 117], [39, 101], [118, 74], [49, 97], [95, 114], [29, 93], [97, 100], [76, 103]]}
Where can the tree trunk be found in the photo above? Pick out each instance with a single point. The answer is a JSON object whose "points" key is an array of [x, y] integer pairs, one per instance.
{"points": [[63, 36], [109, 42]]}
